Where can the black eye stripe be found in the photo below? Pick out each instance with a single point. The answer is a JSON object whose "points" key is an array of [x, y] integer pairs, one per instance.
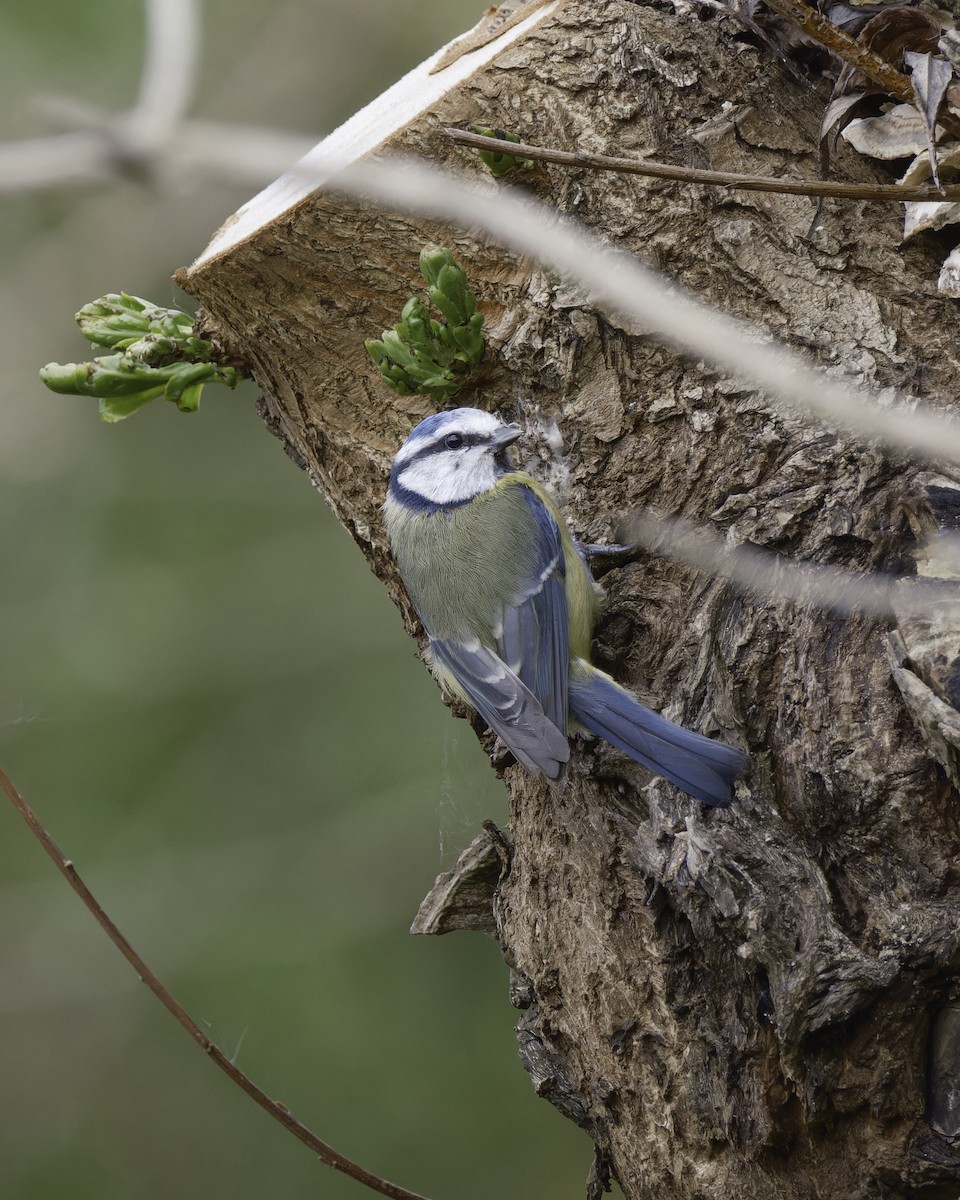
{"points": [[441, 447]]}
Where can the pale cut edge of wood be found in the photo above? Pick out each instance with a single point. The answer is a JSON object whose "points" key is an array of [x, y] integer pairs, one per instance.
{"points": [[362, 133]]}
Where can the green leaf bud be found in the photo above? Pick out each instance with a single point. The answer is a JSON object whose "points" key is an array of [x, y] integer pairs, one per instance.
{"points": [[500, 164]]}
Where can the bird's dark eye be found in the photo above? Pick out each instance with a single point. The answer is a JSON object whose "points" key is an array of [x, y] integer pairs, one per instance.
{"points": [[453, 441]]}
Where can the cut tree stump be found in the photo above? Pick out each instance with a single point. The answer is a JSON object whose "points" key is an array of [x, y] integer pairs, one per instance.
{"points": [[747, 1004]]}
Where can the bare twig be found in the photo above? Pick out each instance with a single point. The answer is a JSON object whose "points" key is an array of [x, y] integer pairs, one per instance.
{"points": [[63, 160], [850, 51], [168, 78], [279, 1112], [213, 149], [153, 138], [783, 579], [844, 46], [724, 179], [616, 282]]}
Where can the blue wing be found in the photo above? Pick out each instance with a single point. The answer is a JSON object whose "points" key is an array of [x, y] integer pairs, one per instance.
{"points": [[520, 687], [507, 705], [533, 639]]}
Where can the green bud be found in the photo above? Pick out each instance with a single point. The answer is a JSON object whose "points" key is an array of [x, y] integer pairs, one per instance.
{"points": [[185, 381], [65, 378], [124, 383], [415, 325], [112, 375], [121, 322], [432, 261], [452, 297], [159, 355], [420, 355], [397, 350], [469, 339], [497, 163]]}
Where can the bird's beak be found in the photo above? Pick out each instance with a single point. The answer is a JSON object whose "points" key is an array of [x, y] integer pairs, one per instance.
{"points": [[506, 436]]}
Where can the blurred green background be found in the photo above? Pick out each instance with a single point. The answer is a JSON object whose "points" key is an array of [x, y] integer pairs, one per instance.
{"points": [[213, 706]]}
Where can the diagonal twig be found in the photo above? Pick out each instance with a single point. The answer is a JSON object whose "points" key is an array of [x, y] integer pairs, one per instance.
{"points": [[748, 183], [794, 581], [618, 283], [847, 48], [855, 55], [169, 75], [154, 137], [279, 1112]]}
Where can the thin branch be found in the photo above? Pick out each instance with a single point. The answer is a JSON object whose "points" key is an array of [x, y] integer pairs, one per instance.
{"points": [[154, 137], [855, 55], [169, 74], [94, 157], [249, 153], [59, 161], [845, 47], [617, 283], [724, 179], [784, 579], [279, 1112]]}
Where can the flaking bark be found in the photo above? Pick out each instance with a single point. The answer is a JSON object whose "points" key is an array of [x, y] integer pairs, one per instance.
{"points": [[734, 1003]]}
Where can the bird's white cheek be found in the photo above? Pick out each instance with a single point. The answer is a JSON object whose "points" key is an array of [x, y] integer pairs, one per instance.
{"points": [[449, 482]]}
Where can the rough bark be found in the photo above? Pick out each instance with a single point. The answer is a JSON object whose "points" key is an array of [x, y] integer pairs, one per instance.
{"points": [[747, 1003]]}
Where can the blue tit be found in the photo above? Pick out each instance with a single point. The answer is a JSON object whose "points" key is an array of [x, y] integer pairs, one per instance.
{"points": [[509, 606]]}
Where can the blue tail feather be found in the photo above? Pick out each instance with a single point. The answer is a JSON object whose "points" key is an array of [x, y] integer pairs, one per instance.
{"points": [[699, 766]]}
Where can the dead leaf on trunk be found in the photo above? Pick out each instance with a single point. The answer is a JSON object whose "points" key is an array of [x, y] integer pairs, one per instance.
{"points": [[890, 33], [930, 77]]}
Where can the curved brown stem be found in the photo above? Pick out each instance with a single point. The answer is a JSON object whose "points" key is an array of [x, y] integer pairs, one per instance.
{"points": [[277, 1110]]}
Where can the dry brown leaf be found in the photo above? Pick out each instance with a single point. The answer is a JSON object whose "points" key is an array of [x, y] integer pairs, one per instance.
{"points": [[948, 155], [897, 30], [899, 133], [930, 76], [927, 215]]}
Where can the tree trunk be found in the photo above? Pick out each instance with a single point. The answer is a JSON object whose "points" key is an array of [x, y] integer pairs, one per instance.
{"points": [[749, 1003]]}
